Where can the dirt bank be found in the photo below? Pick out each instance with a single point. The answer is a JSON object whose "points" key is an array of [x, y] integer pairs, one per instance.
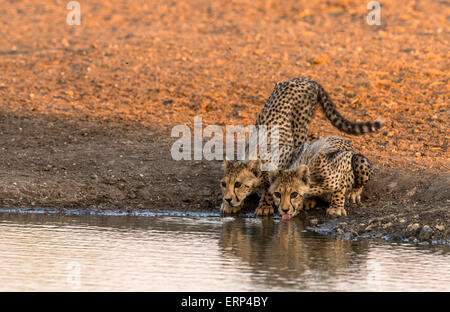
{"points": [[82, 164], [86, 111]]}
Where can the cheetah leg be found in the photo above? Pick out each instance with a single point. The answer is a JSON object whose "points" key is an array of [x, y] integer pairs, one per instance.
{"points": [[228, 209], [355, 195], [362, 170], [337, 204], [265, 206]]}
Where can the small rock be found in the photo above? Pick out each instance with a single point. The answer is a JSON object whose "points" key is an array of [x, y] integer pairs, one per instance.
{"points": [[340, 232], [402, 220], [379, 235], [392, 185], [413, 227], [387, 225], [411, 192], [369, 228], [440, 227], [425, 233], [314, 221]]}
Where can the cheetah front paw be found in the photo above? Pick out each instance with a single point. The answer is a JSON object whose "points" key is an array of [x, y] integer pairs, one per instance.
{"points": [[264, 210], [336, 212], [225, 209], [309, 203]]}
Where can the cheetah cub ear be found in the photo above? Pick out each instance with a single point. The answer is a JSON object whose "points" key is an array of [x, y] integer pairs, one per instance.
{"points": [[255, 166], [303, 174], [273, 174], [226, 163]]}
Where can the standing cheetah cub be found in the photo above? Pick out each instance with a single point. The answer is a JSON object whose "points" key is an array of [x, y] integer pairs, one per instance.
{"points": [[327, 168], [291, 107]]}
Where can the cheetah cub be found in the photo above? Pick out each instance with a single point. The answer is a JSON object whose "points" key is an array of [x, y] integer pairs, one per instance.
{"points": [[291, 107], [327, 168]]}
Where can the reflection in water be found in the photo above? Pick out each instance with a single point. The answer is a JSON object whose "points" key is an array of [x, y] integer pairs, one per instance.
{"points": [[41, 252], [287, 256]]}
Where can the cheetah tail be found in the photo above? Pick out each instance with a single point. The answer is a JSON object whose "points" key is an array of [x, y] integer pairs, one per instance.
{"points": [[337, 120]]}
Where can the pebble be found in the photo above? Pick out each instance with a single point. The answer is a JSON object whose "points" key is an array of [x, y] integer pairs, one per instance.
{"points": [[392, 185], [369, 228], [425, 233], [413, 227], [440, 227]]}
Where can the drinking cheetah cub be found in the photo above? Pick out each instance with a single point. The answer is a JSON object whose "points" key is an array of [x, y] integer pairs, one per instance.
{"points": [[327, 168], [291, 107]]}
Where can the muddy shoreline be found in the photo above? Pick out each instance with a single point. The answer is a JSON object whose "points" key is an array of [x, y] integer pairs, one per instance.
{"points": [[100, 166]]}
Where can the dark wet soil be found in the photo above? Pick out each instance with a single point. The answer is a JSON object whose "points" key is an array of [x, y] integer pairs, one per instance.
{"points": [[66, 164]]}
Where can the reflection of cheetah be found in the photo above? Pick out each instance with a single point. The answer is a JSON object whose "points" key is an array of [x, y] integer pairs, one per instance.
{"points": [[276, 253], [291, 107], [327, 167]]}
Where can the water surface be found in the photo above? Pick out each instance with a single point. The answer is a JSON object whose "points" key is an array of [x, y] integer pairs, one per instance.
{"points": [[40, 252]]}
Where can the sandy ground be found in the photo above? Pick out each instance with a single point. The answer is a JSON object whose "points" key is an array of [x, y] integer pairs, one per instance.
{"points": [[87, 110]]}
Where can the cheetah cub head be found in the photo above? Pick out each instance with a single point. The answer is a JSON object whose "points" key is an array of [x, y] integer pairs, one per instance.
{"points": [[288, 188], [239, 181]]}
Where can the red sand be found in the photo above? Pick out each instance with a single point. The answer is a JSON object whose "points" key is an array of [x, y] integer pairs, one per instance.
{"points": [[164, 62]]}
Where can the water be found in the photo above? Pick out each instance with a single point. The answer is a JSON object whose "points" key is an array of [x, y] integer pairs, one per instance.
{"points": [[41, 252]]}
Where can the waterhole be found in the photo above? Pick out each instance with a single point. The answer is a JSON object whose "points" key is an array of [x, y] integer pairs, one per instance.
{"points": [[199, 252]]}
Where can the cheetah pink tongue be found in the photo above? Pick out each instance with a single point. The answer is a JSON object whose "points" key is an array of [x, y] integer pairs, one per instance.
{"points": [[286, 217]]}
